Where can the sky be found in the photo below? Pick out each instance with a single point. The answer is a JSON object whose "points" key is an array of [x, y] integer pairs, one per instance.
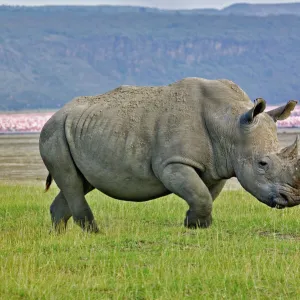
{"points": [[169, 4]]}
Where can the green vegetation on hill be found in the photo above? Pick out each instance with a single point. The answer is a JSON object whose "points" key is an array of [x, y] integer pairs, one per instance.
{"points": [[48, 55]]}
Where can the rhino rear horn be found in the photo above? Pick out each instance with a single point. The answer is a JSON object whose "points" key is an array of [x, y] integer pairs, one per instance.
{"points": [[282, 112], [259, 107]]}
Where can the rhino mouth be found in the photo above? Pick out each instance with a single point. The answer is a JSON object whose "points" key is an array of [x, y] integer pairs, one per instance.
{"points": [[282, 201], [279, 206], [278, 201]]}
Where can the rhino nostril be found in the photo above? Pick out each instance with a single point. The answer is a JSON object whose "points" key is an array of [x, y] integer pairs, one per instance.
{"points": [[263, 163]]}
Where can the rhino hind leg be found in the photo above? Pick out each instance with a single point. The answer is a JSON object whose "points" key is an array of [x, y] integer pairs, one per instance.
{"points": [[60, 213], [184, 181], [60, 210], [71, 200], [72, 184]]}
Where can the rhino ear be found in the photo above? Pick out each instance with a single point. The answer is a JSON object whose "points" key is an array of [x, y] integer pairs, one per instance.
{"points": [[259, 107], [282, 112]]}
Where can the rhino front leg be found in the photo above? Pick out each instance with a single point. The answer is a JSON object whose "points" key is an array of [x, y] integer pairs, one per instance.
{"points": [[216, 189], [184, 181]]}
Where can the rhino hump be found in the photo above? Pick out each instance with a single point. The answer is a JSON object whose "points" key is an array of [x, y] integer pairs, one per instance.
{"points": [[233, 86]]}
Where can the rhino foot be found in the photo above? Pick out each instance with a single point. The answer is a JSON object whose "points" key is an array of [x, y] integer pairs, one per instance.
{"points": [[193, 220], [88, 226]]}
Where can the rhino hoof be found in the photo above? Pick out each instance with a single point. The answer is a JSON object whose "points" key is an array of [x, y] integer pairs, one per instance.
{"points": [[192, 221], [90, 227]]}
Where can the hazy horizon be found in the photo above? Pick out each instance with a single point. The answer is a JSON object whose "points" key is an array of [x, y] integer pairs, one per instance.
{"points": [[176, 4]]}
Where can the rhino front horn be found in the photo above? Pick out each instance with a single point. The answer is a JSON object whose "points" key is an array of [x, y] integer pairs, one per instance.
{"points": [[290, 152]]}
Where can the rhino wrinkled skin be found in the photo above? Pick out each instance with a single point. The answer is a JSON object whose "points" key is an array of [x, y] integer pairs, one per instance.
{"points": [[187, 138]]}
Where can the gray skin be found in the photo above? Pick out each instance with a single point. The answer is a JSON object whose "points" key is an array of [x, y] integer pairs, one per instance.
{"points": [[187, 138]]}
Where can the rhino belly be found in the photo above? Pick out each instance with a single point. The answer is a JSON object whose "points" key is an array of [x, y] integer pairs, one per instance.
{"points": [[124, 185], [120, 174], [135, 190]]}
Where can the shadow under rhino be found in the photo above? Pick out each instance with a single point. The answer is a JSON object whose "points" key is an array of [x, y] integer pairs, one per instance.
{"points": [[187, 138]]}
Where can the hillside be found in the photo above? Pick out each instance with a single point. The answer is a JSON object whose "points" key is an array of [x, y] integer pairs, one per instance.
{"points": [[262, 9], [234, 9], [48, 55]]}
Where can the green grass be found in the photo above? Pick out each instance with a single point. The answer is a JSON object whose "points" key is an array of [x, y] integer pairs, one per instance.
{"points": [[144, 252]]}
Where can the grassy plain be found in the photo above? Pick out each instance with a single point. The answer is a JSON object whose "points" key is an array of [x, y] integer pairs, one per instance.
{"points": [[142, 251]]}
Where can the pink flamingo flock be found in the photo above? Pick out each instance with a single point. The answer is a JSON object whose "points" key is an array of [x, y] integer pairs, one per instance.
{"points": [[23, 122], [34, 122]]}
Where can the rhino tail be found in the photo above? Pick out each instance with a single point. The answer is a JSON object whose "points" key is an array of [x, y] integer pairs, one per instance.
{"points": [[48, 182]]}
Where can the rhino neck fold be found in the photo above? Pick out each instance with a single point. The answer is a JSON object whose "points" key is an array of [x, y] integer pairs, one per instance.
{"points": [[222, 152], [221, 147], [223, 161]]}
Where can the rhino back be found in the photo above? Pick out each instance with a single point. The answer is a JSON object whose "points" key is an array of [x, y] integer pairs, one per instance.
{"points": [[128, 119]]}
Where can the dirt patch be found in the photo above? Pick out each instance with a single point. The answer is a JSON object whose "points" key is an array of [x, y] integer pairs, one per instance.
{"points": [[20, 159]]}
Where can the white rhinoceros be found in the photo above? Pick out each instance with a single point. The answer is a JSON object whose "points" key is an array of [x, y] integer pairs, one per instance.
{"points": [[187, 138]]}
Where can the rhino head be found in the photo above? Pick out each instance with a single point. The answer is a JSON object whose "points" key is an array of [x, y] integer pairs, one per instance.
{"points": [[270, 174]]}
